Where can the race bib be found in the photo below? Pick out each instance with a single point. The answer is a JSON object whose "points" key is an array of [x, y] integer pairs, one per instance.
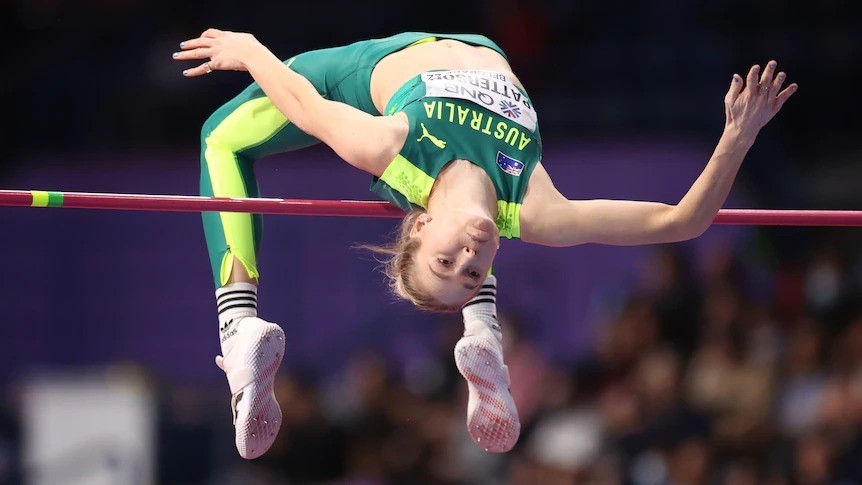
{"points": [[489, 89]]}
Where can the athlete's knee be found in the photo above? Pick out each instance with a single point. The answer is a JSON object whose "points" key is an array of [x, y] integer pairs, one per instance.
{"points": [[208, 127], [216, 158]]}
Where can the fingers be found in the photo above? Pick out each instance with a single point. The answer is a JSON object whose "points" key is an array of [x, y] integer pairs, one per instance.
{"points": [[774, 86], [732, 93], [189, 55], [198, 71], [734, 90], [777, 83], [759, 100], [783, 96], [196, 49], [203, 41], [199, 48], [752, 79], [196, 43], [766, 77]]}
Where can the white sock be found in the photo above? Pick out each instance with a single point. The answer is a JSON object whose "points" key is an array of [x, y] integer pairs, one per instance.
{"points": [[481, 311], [235, 301]]}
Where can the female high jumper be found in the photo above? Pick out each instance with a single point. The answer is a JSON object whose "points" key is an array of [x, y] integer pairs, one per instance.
{"points": [[449, 135]]}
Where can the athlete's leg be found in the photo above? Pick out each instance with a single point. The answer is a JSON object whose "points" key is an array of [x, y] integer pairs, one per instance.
{"points": [[492, 418], [245, 128]]}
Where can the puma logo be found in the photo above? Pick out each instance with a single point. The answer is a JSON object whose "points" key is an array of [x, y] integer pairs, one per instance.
{"points": [[436, 141]]}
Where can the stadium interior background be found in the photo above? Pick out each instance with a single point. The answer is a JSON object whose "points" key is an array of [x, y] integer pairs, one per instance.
{"points": [[735, 358]]}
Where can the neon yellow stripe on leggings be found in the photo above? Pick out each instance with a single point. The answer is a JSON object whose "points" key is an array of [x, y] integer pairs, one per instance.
{"points": [[234, 134]]}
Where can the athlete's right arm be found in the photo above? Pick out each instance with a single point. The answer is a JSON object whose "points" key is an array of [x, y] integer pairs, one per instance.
{"points": [[548, 218], [362, 140]]}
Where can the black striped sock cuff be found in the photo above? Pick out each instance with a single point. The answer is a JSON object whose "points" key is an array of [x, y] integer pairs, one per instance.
{"points": [[236, 296], [487, 294], [481, 311]]}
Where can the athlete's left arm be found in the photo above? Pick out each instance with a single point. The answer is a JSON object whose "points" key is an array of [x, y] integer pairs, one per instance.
{"points": [[549, 219], [367, 142]]}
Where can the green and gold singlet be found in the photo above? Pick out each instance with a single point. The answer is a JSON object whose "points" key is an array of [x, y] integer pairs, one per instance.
{"points": [[479, 116]]}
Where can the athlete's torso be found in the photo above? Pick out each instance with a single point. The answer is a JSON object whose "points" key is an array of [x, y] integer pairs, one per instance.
{"points": [[397, 68], [506, 148]]}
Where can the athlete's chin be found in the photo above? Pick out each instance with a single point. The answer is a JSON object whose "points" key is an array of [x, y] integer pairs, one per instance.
{"points": [[482, 229], [456, 298]]}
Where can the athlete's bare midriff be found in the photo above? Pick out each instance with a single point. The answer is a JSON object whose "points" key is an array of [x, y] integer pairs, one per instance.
{"points": [[399, 67]]}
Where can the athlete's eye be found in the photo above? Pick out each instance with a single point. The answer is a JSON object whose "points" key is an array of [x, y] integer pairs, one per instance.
{"points": [[474, 274], [444, 261]]}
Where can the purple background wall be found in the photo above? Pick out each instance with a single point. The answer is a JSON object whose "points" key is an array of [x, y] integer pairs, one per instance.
{"points": [[85, 287]]}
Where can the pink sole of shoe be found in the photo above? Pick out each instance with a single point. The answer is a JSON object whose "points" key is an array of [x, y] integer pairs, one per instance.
{"points": [[492, 418]]}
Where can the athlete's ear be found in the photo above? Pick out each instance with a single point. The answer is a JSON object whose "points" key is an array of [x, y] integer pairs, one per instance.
{"points": [[419, 224]]}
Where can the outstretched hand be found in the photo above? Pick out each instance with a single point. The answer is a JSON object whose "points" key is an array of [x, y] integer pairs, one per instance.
{"points": [[750, 106], [227, 51]]}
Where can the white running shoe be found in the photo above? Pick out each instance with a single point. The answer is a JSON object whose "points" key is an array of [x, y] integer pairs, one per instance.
{"points": [[492, 418], [250, 366]]}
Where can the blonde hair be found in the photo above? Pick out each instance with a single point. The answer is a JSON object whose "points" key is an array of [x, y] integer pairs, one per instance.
{"points": [[398, 260]]}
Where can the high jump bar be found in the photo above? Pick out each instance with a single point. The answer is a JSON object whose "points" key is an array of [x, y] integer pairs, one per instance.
{"points": [[356, 208]]}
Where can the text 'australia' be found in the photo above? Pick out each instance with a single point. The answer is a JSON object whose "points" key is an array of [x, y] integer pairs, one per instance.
{"points": [[477, 120]]}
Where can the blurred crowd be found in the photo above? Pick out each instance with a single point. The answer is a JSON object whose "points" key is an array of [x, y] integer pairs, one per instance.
{"points": [[709, 374], [733, 371]]}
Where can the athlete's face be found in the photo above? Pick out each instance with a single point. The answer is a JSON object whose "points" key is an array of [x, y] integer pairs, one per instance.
{"points": [[456, 254]]}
